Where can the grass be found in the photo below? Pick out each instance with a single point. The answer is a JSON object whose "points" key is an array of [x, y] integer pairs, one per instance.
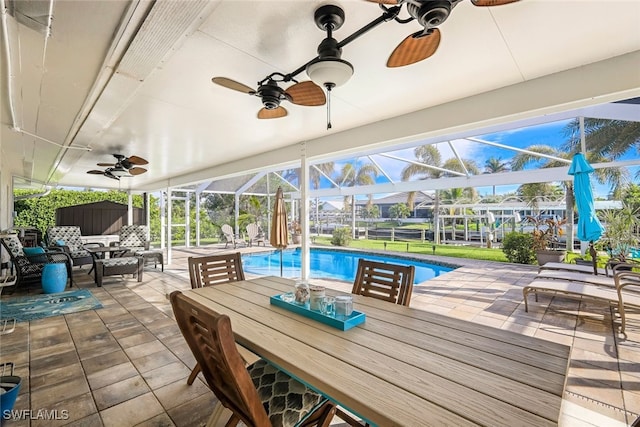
{"points": [[424, 248]]}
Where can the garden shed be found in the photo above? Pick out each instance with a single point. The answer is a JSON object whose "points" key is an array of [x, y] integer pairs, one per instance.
{"points": [[99, 218]]}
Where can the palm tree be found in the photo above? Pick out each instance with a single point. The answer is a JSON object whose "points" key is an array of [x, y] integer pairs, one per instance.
{"points": [[429, 155], [609, 138], [353, 175], [615, 177], [495, 165]]}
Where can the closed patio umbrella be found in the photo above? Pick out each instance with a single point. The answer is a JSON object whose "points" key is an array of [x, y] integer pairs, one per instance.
{"points": [[279, 230], [589, 227]]}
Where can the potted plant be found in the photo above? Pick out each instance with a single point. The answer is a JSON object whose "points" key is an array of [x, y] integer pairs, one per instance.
{"points": [[546, 234], [619, 236]]}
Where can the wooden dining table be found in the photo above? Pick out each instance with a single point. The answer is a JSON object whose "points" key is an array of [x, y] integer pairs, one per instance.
{"points": [[402, 366]]}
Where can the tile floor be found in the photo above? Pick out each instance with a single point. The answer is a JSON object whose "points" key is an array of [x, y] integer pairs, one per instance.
{"points": [[126, 364]]}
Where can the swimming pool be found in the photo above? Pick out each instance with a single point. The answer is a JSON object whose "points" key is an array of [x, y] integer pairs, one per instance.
{"points": [[330, 264]]}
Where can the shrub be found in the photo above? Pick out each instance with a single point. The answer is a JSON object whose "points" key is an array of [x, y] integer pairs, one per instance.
{"points": [[518, 248], [341, 237]]}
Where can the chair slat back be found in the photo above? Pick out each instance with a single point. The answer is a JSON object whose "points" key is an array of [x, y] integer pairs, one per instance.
{"points": [[388, 282], [215, 269], [228, 233], [252, 231], [212, 343]]}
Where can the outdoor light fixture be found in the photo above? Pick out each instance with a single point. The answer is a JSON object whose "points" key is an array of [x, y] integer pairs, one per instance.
{"points": [[119, 171], [330, 72]]}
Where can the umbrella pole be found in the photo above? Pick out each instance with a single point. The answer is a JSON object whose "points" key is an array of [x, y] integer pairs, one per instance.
{"points": [[280, 262]]}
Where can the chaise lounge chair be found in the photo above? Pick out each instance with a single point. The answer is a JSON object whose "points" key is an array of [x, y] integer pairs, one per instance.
{"points": [[624, 294]]}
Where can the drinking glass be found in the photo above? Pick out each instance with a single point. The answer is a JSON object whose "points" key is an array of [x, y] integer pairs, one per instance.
{"points": [[302, 292], [316, 294], [344, 306], [328, 306]]}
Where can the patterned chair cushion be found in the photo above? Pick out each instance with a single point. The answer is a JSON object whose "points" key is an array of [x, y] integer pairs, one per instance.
{"points": [[121, 261], [286, 400], [70, 235], [133, 237], [14, 245]]}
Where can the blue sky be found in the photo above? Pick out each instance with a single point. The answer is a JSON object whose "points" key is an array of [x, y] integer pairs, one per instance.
{"points": [[546, 134]]}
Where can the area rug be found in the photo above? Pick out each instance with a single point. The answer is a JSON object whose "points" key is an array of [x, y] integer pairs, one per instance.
{"points": [[46, 305]]}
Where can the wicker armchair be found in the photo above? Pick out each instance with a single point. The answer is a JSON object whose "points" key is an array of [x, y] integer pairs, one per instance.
{"points": [[134, 238], [29, 267], [68, 237]]}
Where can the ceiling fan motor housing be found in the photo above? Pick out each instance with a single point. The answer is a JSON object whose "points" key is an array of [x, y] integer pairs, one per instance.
{"points": [[271, 95], [430, 13]]}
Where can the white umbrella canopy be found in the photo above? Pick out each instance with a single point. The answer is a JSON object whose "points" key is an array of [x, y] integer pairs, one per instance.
{"points": [[279, 228]]}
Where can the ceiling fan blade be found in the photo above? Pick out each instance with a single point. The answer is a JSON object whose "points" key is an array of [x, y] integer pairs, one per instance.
{"points": [[492, 2], [137, 171], [414, 49], [106, 165], [135, 160], [232, 84], [306, 93], [96, 172], [272, 114]]}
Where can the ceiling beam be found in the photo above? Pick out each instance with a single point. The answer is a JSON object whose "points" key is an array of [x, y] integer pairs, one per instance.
{"points": [[511, 107]]}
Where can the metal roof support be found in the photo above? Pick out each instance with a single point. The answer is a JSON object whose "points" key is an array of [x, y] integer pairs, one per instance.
{"points": [[519, 150], [326, 176], [380, 168], [415, 162], [455, 153]]}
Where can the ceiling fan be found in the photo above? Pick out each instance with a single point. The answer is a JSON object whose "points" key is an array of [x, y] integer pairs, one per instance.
{"points": [[123, 167], [327, 70], [301, 93], [429, 14]]}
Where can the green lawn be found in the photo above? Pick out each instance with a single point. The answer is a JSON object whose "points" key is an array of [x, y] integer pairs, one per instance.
{"points": [[424, 248]]}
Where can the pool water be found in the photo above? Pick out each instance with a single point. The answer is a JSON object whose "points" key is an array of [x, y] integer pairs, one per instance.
{"points": [[327, 264]]}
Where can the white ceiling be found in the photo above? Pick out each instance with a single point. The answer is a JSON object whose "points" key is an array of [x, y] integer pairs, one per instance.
{"points": [[135, 78]]}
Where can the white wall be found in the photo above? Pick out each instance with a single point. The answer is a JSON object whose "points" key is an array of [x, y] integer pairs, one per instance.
{"points": [[6, 193]]}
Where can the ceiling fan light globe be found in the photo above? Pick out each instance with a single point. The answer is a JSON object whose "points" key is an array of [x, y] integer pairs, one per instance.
{"points": [[330, 71], [119, 172]]}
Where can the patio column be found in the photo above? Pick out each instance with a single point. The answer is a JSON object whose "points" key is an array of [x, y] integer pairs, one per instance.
{"points": [[129, 208], [198, 193], [187, 220], [305, 259], [236, 213], [169, 225]]}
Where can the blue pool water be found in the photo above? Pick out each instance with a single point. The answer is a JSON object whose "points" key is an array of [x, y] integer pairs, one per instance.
{"points": [[327, 264]]}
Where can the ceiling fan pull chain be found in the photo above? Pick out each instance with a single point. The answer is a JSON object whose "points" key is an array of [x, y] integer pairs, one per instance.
{"points": [[328, 86]]}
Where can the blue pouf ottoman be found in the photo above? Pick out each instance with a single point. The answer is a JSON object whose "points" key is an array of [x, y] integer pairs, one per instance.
{"points": [[54, 278]]}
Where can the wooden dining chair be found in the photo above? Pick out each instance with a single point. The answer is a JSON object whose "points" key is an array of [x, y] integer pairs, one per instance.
{"points": [[213, 270], [258, 395], [385, 281]]}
